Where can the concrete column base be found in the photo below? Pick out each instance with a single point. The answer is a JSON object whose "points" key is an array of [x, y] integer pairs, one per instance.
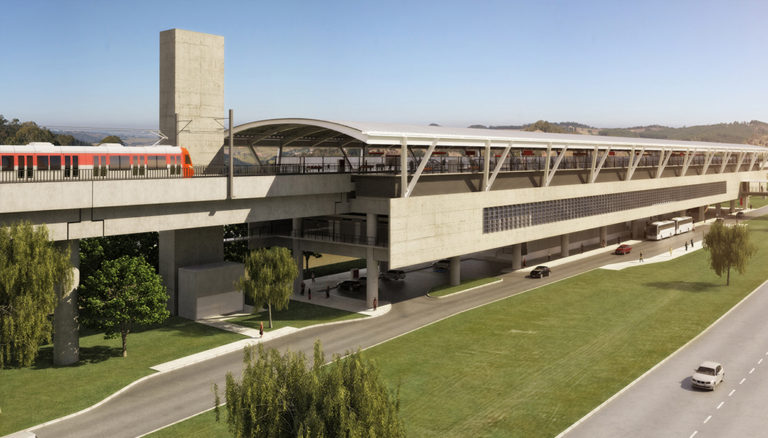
{"points": [[565, 241], [732, 206], [517, 258], [455, 271], [66, 327], [372, 280]]}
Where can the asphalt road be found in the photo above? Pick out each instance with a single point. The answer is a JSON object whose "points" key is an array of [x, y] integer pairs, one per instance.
{"points": [[663, 404], [171, 396]]}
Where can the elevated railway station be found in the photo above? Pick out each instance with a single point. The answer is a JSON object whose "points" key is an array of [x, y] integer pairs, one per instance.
{"points": [[396, 195]]}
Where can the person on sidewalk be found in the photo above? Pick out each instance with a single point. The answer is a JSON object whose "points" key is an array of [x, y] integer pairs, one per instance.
{"points": [[641, 257], [327, 291], [261, 329], [686, 245]]}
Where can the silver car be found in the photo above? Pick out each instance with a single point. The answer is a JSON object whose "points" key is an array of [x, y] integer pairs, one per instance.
{"points": [[708, 375]]}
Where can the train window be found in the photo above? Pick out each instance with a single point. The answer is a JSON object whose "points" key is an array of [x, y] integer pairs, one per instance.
{"points": [[187, 160], [42, 162], [21, 166], [7, 163], [55, 162], [122, 163]]}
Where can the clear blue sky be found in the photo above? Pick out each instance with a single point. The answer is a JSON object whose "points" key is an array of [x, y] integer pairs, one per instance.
{"points": [[606, 63]]}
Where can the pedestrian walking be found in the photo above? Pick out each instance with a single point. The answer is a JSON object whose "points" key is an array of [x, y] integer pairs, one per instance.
{"points": [[641, 257], [691, 243], [313, 277], [686, 245], [261, 329], [327, 291], [309, 293], [549, 256]]}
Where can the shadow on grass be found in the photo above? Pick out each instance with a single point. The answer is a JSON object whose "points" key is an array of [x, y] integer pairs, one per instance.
{"points": [[687, 286], [88, 355]]}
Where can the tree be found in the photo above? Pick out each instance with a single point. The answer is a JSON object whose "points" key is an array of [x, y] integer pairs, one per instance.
{"points": [[728, 247], [279, 396], [235, 242], [111, 139], [268, 279], [121, 294], [307, 256], [30, 269], [94, 251]]}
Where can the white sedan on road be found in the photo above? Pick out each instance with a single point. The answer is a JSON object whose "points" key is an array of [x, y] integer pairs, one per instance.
{"points": [[708, 375]]}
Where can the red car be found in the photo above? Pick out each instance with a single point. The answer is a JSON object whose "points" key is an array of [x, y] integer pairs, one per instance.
{"points": [[623, 249]]}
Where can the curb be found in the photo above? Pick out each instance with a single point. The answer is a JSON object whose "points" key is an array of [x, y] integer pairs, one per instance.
{"points": [[466, 290]]}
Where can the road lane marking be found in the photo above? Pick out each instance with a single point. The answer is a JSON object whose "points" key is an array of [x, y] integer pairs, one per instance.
{"points": [[751, 371], [742, 380], [707, 419], [731, 393], [760, 361], [693, 434], [720, 405]]}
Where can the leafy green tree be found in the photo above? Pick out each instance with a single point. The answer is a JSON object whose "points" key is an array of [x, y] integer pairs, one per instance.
{"points": [[111, 139], [279, 396], [268, 278], [30, 269], [728, 247], [121, 294], [94, 251]]}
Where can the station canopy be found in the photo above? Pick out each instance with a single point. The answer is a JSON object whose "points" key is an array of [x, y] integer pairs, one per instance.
{"points": [[310, 133]]}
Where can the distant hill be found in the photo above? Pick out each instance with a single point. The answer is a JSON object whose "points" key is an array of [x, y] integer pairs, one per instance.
{"points": [[754, 132]]}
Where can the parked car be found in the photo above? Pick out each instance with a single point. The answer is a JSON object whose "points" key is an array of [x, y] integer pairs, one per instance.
{"points": [[623, 249], [540, 271], [442, 265], [740, 214], [349, 286], [392, 274], [708, 375]]}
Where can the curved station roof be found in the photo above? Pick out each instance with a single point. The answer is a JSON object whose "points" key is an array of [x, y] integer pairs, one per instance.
{"points": [[300, 132]]}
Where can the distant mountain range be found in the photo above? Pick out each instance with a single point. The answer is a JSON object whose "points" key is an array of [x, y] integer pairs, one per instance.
{"points": [[754, 132]]}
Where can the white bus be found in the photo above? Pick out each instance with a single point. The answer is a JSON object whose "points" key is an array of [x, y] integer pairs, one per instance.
{"points": [[683, 224], [660, 230]]}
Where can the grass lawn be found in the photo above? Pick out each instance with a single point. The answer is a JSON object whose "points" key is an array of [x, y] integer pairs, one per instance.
{"points": [[298, 314], [199, 426], [517, 367], [30, 396], [442, 291]]}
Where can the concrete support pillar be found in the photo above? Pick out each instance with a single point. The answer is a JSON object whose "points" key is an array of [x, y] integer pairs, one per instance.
{"points": [[732, 206], [565, 241], [638, 229], [298, 255], [700, 214], [746, 201], [719, 210], [517, 257], [358, 230], [66, 327], [372, 283], [603, 236], [455, 271], [190, 247]]}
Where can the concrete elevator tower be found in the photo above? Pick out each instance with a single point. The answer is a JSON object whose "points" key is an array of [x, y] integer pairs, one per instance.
{"points": [[192, 92]]}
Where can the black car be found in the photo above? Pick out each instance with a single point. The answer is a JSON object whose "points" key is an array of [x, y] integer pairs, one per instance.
{"points": [[349, 286], [540, 271]]}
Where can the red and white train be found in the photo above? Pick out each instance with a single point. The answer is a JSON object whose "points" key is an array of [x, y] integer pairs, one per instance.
{"points": [[48, 162]]}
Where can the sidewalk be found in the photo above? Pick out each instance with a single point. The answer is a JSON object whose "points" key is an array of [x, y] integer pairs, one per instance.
{"points": [[335, 301]]}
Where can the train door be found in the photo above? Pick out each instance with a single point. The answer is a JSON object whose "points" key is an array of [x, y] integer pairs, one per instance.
{"points": [[25, 169], [75, 166], [67, 166]]}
